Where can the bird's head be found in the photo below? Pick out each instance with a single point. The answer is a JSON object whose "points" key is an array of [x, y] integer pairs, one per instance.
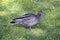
{"points": [[40, 13]]}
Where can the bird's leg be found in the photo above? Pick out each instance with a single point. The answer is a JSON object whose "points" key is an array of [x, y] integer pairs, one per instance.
{"points": [[28, 32], [30, 28]]}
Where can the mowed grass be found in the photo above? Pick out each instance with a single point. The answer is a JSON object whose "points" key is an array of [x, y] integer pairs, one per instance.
{"points": [[47, 29]]}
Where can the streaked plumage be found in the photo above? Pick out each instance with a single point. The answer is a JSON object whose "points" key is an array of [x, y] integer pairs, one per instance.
{"points": [[28, 20]]}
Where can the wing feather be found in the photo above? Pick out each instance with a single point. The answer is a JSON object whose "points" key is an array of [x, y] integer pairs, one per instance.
{"points": [[24, 16]]}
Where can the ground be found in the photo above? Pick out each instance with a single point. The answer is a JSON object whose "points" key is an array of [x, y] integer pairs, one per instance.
{"points": [[47, 29]]}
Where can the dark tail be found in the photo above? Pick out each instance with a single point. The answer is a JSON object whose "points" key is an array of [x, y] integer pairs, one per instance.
{"points": [[12, 22]]}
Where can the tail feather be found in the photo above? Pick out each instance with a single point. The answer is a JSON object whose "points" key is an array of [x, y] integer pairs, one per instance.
{"points": [[12, 22]]}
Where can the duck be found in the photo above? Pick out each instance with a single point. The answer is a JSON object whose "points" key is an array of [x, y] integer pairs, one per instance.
{"points": [[28, 20]]}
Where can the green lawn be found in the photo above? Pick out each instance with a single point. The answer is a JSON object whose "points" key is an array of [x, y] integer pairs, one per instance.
{"points": [[47, 29]]}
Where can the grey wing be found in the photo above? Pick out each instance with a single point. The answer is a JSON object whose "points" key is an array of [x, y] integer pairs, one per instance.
{"points": [[23, 21], [24, 16], [21, 18], [30, 21]]}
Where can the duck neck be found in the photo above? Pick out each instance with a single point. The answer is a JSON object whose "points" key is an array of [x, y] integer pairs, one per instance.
{"points": [[38, 15]]}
